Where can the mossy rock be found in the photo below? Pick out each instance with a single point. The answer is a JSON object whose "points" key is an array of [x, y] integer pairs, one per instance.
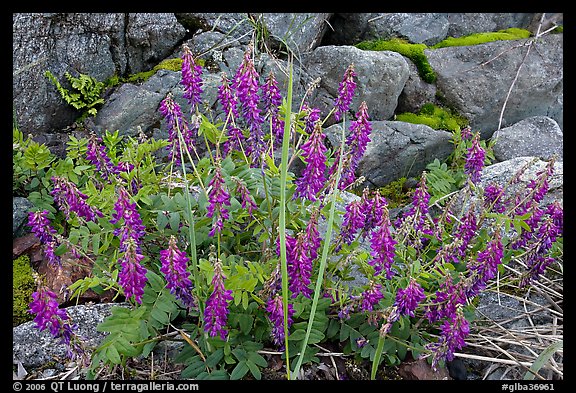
{"points": [[22, 288], [415, 52], [174, 64], [435, 117], [512, 33]]}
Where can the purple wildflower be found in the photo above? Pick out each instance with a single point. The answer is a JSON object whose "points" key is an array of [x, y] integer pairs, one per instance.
{"points": [[485, 267], [56, 320], [375, 208], [453, 332], [247, 200], [70, 199], [216, 311], [312, 236], [275, 310], [313, 176], [174, 267], [357, 141], [462, 235], [299, 264], [447, 299], [414, 224], [271, 101], [218, 197], [407, 299], [191, 77], [383, 248], [227, 98], [177, 127], [132, 277], [42, 228], [246, 86], [537, 259], [345, 93], [466, 134], [371, 296], [493, 198], [475, 160], [312, 116], [96, 154], [353, 221]]}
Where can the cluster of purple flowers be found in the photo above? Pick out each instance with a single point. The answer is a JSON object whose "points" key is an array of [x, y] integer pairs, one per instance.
{"points": [[407, 299], [132, 277], [49, 316], [96, 154], [313, 178], [272, 100], [246, 86], [41, 226], [275, 310], [218, 198], [414, 225], [191, 78], [174, 266], [475, 160], [216, 311], [346, 91], [69, 199], [178, 129]]}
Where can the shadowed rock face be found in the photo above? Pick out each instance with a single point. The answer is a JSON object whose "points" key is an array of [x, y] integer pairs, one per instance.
{"points": [[476, 80]]}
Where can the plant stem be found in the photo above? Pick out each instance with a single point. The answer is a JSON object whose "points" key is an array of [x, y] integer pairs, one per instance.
{"points": [[282, 224]]}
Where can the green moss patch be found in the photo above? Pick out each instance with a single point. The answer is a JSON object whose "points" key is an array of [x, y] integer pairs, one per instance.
{"points": [[415, 52], [482, 38], [435, 117], [395, 194], [22, 289]]}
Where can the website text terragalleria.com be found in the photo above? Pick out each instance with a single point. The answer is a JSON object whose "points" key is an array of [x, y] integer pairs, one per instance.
{"points": [[111, 386]]}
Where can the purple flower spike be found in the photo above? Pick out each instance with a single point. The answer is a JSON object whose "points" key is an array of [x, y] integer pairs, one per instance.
{"points": [[485, 267], [218, 197], [246, 86], [345, 93], [176, 125], [313, 176], [275, 310], [70, 199], [56, 320], [132, 277], [191, 77], [96, 154], [42, 228], [453, 333], [174, 267], [371, 296], [407, 299], [216, 311], [352, 222], [475, 160]]}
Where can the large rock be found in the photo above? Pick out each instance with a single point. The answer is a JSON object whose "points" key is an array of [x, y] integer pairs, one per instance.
{"points": [[300, 32], [538, 136], [97, 44], [427, 28], [397, 149], [34, 348], [20, 208], [475, 80], [381, 76]]}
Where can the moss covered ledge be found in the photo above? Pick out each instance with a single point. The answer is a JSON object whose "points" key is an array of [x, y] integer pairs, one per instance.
{"points": [[415, 52]]}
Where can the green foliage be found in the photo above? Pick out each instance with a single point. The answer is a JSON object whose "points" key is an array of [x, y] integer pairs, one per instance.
{"points": [[414, 52], [85, 94], [173, 64], [395, 194], [173, 202], [435, 117], [512, 33], [23, 286]]}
